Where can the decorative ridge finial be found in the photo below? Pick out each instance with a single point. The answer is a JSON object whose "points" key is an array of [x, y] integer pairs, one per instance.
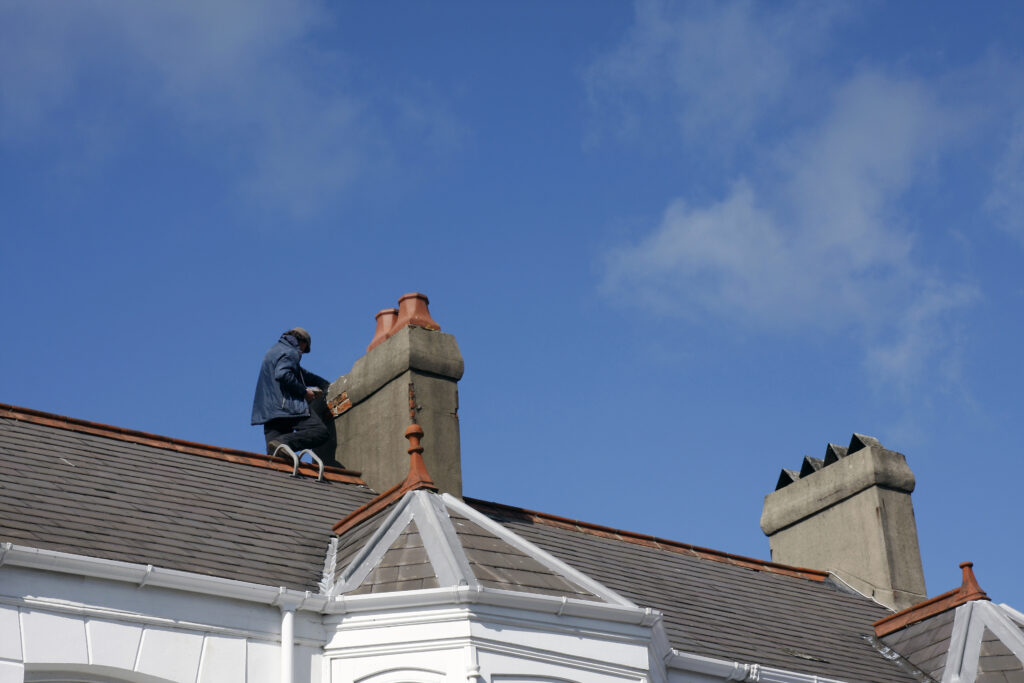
{"points": [[418, 477], [969, 589]]}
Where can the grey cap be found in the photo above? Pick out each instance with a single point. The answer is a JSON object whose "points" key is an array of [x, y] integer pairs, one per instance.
{"points": [[301, 334]]}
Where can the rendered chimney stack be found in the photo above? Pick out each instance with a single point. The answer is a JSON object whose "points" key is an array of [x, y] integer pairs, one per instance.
{"points": [[850, 514], [371, 404]]}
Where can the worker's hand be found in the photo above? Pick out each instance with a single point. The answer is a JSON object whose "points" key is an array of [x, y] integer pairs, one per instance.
{"points": [[310, 395]]}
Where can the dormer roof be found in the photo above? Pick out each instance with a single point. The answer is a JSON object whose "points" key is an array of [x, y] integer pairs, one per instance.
{"points": [[431, 540], [959, 636]]}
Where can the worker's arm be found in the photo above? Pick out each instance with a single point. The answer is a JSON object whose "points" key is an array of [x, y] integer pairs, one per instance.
{"points": [[315, 380]]}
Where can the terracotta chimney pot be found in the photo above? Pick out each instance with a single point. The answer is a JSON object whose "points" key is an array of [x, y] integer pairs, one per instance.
{"points": [[385, 320], [412, 310]]}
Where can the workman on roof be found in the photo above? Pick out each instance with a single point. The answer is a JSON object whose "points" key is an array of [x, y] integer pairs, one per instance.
{"points": [[284, 392]]}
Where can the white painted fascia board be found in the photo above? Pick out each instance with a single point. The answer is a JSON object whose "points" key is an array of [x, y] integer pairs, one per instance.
{"points": [[148, 575], [956, 655], [467, 595], [738, 671], [1013, 614], [546, 558], [441, 542]]}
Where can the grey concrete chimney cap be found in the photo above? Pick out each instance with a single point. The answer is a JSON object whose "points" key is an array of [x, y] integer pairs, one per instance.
{"points": [[870, 466]]}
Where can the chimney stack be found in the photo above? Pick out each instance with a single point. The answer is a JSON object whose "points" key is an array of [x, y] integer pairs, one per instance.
{"points": [[411, 370], [850, 514]]}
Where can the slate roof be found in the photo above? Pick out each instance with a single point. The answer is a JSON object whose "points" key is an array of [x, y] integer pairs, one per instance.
{"points": [[100, 491], [77, 487], [497, 564], [720, 605], [925, 644], [404, 567]]}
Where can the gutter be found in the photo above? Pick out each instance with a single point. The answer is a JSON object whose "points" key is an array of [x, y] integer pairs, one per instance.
{"points": [[291, 600], [738, 671], [148, 575]]}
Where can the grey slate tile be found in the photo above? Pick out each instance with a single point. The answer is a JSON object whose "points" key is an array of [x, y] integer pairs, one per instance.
{"points": [[138, 503]]}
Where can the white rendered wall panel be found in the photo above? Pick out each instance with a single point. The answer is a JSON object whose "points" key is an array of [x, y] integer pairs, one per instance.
{"points": [[10, 633], [429, 665], [223, 660], [512, 668], [308, 664], [263, 662], [573, 640], [410, 627], [11, 672], [54, 638], [113, 643], [169, 654]]}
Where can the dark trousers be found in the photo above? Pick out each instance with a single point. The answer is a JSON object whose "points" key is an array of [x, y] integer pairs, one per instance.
{"points": [[297, 432]]}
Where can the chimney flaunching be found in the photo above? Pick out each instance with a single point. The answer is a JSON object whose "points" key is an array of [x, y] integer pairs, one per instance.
{"points": [[410, 367], [851, 515]]}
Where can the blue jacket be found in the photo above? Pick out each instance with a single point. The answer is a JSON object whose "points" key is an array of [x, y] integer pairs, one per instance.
{"points": [[281, 387]]}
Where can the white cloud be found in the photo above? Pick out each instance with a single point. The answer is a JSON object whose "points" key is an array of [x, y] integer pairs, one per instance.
{"points": [[818, 242], [719, 68], [1006, 200], [247, 78]]}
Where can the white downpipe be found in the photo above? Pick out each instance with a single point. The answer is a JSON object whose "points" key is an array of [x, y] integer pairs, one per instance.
{"points": [[287, 644]]}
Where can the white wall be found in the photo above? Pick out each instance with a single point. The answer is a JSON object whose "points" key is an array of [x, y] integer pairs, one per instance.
{"points": [[484, 643], [53, 621]]}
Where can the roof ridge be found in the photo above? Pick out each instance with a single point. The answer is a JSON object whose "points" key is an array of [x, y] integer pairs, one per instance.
{"points": [[968, 591], [655, 542], [250, 458]]}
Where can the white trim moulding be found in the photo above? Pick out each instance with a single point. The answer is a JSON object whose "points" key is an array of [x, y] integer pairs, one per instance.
{"points": [[287, 598], [148, 575]]}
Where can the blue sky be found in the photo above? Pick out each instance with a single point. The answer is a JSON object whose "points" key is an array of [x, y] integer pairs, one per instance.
{"points": [[681, 245]]}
